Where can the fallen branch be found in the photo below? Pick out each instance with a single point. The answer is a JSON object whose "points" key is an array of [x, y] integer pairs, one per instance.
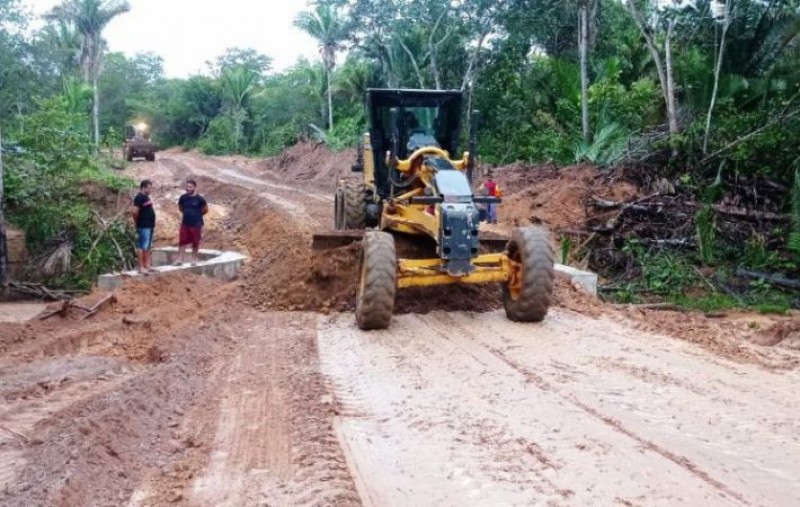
{"points": [[38, 291], [668, 242], [111, 298], [667, 307], [773, 279], [746, 213], [62, 311]]}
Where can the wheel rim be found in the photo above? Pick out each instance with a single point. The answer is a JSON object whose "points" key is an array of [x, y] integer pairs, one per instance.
{"points": [[514, 282], [362, 277]]}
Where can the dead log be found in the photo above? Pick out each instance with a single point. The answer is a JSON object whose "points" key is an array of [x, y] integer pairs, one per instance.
{"points": [[747, 213], [782, 281], [664, 307]]}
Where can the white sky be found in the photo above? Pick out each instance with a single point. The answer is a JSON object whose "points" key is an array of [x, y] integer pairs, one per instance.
{"points": [[187, 33]]}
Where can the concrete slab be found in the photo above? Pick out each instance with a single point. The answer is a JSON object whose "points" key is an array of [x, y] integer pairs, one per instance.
{"points": [[213, 263], [585, 279]]}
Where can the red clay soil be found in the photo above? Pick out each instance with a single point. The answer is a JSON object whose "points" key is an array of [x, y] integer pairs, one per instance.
{"points": [[730, 336], [309, 161], [143, 311], [555, 197]]}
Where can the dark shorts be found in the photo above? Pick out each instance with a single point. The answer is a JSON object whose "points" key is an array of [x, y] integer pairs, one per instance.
{"points": [[144, 238], [190, 236]]}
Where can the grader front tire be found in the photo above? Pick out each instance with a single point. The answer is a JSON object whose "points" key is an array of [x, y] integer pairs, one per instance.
{"points": [[529, 291], [377, 281]]}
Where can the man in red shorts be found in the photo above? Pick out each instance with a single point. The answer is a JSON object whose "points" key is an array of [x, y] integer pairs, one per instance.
{"points": [[193, 206]]}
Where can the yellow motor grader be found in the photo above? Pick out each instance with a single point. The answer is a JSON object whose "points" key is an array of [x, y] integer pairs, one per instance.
{"points": [[412, 185]]}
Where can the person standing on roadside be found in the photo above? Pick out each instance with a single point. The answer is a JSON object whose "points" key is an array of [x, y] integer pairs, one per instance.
{"points": [[192, 206], [494, 191], [144, 219]]}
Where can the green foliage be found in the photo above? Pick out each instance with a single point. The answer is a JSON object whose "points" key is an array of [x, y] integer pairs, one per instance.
{"points": [[708, 303], [48, 192], [757, 256], [607, 148], [219, 138], [706, 235], [565, 249], [794, 236]]}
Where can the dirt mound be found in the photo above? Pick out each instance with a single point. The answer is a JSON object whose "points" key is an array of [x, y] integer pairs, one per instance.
{"points": [[144, 312], [309, 161], [117, 424], [555, 197], [784, 333], [735, 337]]}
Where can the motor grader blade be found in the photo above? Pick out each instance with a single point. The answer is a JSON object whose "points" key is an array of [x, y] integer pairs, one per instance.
{"points": [[335, 239], [490, 242]]}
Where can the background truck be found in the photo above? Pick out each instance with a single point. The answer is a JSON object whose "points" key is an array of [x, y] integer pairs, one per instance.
{"points": [[137, 143]]}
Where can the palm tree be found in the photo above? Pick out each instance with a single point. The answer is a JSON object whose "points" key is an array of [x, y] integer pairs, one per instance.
{"points": [[237, 86], [90, 18], [329, 28]]}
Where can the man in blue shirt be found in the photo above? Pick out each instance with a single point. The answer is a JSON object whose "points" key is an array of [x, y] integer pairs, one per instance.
{"points": [[192, 206]]}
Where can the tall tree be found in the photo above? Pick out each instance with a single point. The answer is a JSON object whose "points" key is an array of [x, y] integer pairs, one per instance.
{"points": [[328, 26], [3, 237], [90, 18], [237, 86], [663, 63], [722, 14], [584, 6]]}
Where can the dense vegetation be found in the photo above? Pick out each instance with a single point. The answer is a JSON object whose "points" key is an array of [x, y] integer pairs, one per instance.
{"points": [[704, 94]]}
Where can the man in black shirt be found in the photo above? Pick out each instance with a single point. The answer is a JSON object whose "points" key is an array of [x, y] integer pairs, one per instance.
{"points": [[144, 219], [193, 206]]}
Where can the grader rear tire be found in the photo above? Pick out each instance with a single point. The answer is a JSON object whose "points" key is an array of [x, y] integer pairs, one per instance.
{"points": [[377, 283], [529, 291], [354, 205]]}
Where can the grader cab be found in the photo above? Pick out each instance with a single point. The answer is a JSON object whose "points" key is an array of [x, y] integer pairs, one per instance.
{"points": [[412, 185]]}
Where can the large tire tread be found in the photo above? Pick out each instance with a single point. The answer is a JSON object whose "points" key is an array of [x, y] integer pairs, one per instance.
{"points": [[536, 255], [354, 205], [378, 272]]}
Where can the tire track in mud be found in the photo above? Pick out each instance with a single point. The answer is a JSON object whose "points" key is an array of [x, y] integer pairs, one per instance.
{"points": [[684, 408], [423, 442], [274, 442], [440, 410], [293, 200]]}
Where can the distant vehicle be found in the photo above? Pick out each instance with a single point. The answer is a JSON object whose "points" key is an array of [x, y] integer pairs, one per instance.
{"points": [[137, 143]]}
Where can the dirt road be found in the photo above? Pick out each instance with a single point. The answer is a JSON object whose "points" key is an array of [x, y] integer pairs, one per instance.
{"points": [[264, 393]]}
